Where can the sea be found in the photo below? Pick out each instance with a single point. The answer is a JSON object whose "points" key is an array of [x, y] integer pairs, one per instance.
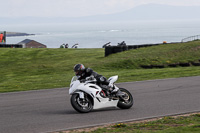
{"points": [[95, 35]]}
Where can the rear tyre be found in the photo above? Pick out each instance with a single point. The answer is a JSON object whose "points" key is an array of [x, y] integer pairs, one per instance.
{"points": [[81, 105], [125, 101]]}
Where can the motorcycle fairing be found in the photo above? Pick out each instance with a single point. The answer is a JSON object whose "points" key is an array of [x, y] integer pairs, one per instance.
{"points": [[94, 91], [113, 79]]}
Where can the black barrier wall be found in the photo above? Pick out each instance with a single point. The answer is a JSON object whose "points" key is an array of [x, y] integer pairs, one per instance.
{"points": [[10, 46], [116, 49]]}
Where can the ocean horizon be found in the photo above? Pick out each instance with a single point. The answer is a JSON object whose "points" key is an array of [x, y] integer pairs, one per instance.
{"points": [[95, 35]]}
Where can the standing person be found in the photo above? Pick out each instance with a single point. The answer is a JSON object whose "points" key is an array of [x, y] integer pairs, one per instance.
{"points": [[4, 38], [1, 37], [61, 46], [66, 45]]}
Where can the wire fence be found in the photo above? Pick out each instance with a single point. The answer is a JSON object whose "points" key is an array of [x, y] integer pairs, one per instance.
{"points": [[191, 38]]}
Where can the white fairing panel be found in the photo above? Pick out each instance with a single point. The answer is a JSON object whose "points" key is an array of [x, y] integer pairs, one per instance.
{"points": [[91, 89], [104, 103], [113, 79], [73, 86]]}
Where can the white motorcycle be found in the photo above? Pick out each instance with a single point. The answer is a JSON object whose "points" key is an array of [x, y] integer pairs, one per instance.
{"points": [[87, 95]]}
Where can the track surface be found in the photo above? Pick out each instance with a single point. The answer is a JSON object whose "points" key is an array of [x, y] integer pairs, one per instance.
{"points": [[50, 110]]}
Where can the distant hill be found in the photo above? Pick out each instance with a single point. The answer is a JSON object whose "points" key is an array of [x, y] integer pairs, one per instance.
{"points": [[143, 12], [11, 34], [155, 11]]}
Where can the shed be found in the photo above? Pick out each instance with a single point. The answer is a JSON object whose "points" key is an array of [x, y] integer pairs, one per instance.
{"points": [[27, 43]]}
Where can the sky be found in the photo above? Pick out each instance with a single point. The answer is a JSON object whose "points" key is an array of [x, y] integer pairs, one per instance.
{"points": [[77, 8]]}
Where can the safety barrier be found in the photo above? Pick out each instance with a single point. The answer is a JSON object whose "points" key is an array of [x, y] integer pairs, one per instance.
{"points": [[191, 38], [11, 46], [115, 49]]}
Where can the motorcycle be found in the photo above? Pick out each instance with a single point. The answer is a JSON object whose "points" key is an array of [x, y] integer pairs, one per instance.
{"points": [[87, 95]]}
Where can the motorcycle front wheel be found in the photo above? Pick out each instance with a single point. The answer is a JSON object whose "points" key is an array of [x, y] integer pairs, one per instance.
{"points": [[81, 105], [126, 100]]}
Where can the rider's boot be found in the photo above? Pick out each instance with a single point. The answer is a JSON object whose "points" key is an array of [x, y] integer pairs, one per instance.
{"points": [[114, 88]]}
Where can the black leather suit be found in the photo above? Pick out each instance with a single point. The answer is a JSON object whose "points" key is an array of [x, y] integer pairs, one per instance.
{"points": [[88, 72]]}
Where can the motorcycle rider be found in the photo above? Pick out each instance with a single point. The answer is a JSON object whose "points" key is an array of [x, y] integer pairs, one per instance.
{"points": [[87, 73]]}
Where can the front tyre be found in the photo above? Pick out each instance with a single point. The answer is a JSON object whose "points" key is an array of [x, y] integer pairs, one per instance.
{"points": [[126, 100], [81, 105]]}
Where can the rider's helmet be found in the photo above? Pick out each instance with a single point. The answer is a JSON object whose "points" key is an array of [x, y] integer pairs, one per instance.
{"points": [[78, 69]]}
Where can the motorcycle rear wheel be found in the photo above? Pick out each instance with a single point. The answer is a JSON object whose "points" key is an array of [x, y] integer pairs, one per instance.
{"points": [[126, 101], [81, 106]]}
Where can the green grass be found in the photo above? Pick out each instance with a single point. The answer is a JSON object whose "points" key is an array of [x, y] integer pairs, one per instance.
{"points": [[32, 69], [181, 124]]}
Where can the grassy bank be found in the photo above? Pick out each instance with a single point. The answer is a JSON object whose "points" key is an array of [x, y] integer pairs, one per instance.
{"points": [[31, 69], [181, 124]]}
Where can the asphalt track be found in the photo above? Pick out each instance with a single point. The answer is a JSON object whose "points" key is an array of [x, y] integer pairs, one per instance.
{"points": [[50, 110]]}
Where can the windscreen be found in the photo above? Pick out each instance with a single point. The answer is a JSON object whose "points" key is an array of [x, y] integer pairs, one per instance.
{"points": [[74, 78]]}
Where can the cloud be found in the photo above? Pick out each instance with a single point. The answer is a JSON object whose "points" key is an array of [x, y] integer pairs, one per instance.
{"points": [[76, 8], [170, 2], [58, 8]]}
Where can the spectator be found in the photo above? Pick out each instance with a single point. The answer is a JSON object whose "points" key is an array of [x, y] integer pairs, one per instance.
{"points": [[62, 46], [1, 37], [66, 45]]}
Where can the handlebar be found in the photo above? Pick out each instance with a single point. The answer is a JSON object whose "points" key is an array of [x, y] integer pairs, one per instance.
{"points": [[88, 81]]}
